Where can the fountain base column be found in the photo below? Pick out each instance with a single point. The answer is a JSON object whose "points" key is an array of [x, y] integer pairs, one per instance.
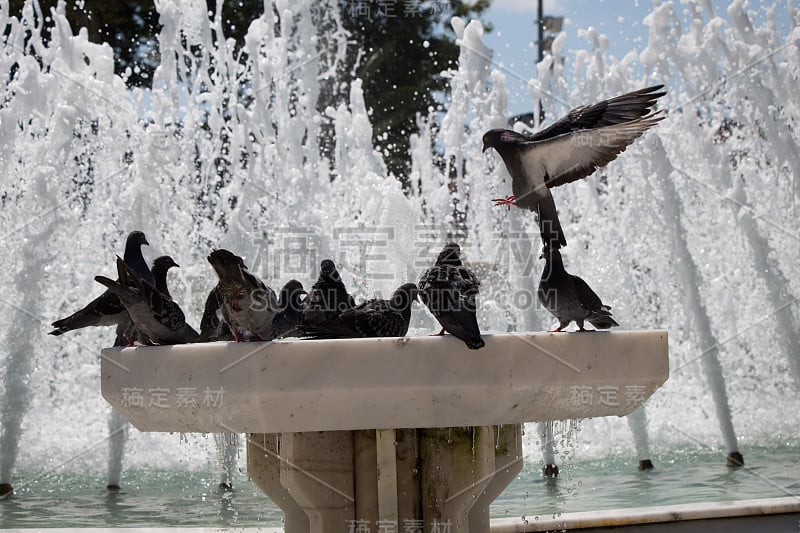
{"points": [[264, 469], [5, 489], [507, 464], [407, 479], [734, 460]]}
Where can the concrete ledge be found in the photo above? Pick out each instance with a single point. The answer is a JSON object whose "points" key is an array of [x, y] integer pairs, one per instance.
{"points": [[419, 382], [769, 514]]}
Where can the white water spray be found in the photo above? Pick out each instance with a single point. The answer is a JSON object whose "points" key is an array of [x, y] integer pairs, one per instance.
{"points": [[225, 153]]}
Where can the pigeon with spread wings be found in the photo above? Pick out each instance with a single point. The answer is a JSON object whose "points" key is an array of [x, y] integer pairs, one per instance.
{"points": [[572, 148], [106, 309], [156, 316]]}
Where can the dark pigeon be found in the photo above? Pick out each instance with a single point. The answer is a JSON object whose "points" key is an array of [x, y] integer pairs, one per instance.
{"points": [[133, 256], [572, 148], [247, 304], [373, 318], [291, 305], [212, 328], [157, 318], [161, 266], [568, 297], [327, 298], [449, 290], [106, 309]]}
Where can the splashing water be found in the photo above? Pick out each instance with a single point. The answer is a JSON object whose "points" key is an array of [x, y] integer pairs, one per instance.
{"points": [[225, 153]]}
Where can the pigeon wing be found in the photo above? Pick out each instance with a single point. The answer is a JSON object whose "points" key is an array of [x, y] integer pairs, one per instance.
{"points": [[623, 108], [210, 321], [575, 155], [588, 299], [104, 310]]}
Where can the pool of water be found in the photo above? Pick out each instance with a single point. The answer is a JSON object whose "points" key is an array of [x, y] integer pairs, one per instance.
{"points": [[157, 498]]}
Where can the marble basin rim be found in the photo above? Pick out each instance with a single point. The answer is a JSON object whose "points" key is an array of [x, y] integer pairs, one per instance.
{"points": [[409, 382]]}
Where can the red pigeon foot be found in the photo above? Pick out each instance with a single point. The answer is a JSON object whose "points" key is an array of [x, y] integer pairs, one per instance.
{"points": [[508, 201], [440, 334]]}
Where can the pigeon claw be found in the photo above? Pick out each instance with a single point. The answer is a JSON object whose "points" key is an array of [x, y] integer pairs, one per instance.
{"points": [[440, 334], [508, 201]]}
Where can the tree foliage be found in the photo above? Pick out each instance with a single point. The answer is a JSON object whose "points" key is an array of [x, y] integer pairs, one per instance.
{"points": [[398, 47]]}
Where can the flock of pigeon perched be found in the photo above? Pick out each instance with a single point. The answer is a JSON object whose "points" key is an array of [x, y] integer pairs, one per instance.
{"points": [[243, 308]]}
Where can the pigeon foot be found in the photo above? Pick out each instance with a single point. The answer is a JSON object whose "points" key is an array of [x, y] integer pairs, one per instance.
{"points": [[440, 334], [508, 201]]}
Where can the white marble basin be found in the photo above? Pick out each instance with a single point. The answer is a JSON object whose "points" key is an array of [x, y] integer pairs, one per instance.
{"points": [[414, 382]]}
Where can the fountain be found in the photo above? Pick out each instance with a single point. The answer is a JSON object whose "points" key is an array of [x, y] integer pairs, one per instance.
{"points": [[225, 153], [397, 430]]}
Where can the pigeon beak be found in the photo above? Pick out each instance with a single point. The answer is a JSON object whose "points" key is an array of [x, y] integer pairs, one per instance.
{"points": [[485, 146]]}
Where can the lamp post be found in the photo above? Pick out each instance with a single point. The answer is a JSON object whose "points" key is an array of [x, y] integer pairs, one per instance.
{"points": [[551, 25]]}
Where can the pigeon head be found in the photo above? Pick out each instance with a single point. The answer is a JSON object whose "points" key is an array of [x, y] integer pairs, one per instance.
{"points": [[327, 269], [164, 262], [499, 138], [291, 295], [450, 255], [136, 238], [225, 263], [491, 139], [404, 296]]}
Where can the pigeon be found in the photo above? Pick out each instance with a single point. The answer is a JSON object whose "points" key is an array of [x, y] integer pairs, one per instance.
{"points": [[290, 304], [133, 256], [449, 289], [572, 148], [158, 319], [247, 304], [161, 266], [327, 298], [373, 318], [211, 327], [568, 297], [106, 309], [159, 269]]}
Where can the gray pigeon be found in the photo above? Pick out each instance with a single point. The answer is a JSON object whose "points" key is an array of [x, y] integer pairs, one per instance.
{"points": [[568, 297], [290, 304], [373, 318], [327, 298], [247, 304], [106, 309], [159, 268], [449, 290], [572, 148], [157, 318]]}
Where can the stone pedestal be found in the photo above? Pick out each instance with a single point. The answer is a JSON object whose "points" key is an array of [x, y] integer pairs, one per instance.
{"points": [[386, 480]]}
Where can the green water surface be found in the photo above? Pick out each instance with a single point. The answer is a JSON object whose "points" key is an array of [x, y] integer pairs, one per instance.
{"points": [[192, 499]]}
